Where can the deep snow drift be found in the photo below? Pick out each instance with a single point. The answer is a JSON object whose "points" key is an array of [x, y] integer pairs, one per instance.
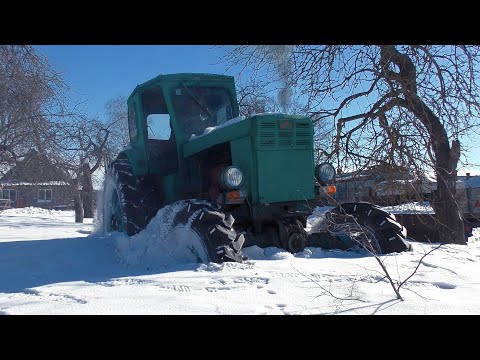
{"points": [[50, 265]]}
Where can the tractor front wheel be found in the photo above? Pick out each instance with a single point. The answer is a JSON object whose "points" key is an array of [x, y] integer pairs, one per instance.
{"points": [[204, 234]]}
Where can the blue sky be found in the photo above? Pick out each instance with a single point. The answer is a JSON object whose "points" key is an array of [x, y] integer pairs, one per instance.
{"points": [[98, 73]]}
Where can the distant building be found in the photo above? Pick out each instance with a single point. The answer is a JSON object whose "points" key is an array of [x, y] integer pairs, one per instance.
{"points": [[395, 186], [382, 185], [35, 181], [468, 193]]}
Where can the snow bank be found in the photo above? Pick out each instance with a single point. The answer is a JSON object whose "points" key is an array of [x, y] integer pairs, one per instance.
{"points": [[475, 236], [154, 246], [315, 221], [150, 245], [270, 253], [34, 210], [37, 213]]}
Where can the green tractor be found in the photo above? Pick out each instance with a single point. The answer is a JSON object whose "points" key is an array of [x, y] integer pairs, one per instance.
{"points": [[234, 181]]}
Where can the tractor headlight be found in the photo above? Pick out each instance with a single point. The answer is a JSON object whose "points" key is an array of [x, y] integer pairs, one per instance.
{"points": [[231, 177], [325, 172]]}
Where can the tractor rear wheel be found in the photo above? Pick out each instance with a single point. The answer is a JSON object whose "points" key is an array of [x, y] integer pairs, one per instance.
{"points": [[370, 227], [206, 233], [128, 204]]}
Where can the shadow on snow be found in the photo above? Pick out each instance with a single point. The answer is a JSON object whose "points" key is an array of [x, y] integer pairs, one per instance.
{"points": [[92, 259]]}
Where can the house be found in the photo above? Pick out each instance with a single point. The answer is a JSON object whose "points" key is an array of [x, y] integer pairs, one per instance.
{"points": [[383, 185], [35, 181], [389, 186]]}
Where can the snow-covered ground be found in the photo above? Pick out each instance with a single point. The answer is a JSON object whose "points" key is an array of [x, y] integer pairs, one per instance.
{"points": [[413, 207], [50, 265]]}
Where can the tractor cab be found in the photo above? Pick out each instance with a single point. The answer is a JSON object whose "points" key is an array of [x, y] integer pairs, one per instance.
{"points": [[165, 112]]}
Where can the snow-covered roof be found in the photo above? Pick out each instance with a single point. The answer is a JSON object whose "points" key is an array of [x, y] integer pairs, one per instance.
{"points": [[48, 183], [470, 182], [352, 176]]}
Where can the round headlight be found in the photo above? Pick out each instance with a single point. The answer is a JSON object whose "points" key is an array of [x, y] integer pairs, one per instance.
{"points": [[232, 177], [325, 172]]}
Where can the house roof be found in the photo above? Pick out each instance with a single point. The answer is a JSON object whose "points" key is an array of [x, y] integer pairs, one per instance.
{"points": [[376, 171], [35, 168]]}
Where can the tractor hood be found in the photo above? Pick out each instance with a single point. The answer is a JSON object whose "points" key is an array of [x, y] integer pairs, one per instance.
{"points": [[274, 151], [231, 130]]}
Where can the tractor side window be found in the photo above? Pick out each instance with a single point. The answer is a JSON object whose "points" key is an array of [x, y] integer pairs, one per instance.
{"points": [[158, 126], [132, 127], [156, 115]]}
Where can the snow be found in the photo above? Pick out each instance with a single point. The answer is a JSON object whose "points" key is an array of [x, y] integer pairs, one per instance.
{"points": [[49, 183], [413, 207], [51, 265]]}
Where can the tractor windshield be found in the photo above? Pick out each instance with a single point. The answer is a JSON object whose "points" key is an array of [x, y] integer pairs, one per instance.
{"points": [[197, 108]]}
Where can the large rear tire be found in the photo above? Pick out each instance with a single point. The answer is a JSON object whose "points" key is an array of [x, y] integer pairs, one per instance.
{"points": [[373, 228], [206, 234], [128, 203]]}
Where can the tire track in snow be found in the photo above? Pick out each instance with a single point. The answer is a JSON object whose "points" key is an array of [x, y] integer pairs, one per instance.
{"points": [[54, 297], [439, 284], [177, 288], [235, 283], [251, 280], [126, 282], [427, 264]]}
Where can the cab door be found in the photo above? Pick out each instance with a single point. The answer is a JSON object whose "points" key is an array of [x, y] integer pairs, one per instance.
{"points": [[137, 151]]}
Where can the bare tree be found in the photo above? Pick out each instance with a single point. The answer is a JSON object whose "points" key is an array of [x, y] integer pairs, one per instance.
{"points": [[80, 149], [84, 145], [34, 115], [254, 100], [406, 105], [117, 124], [31, 94]]}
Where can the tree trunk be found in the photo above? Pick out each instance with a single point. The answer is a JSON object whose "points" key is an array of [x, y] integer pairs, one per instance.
{"points": [[78, 205], [446, 209], [444, 202], [87, 191]]}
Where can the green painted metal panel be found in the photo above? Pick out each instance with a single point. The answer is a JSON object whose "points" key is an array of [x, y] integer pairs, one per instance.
{"points": [[285, 167], [170, 188], [277, 158], [187, 78], [283, 132], [243, 157], [285, 175], [136, 151], [218, 136], [137, 159]]}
